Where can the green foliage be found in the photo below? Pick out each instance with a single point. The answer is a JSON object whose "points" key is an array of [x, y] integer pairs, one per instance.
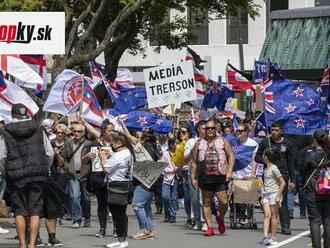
{"points": [[19, 5]]}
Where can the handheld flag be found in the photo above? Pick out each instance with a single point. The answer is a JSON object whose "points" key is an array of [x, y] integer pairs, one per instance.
{"points": [[130, 100]]}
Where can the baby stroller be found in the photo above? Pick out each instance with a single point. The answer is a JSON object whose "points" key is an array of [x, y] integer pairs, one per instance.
{"points": [[243, 195]]}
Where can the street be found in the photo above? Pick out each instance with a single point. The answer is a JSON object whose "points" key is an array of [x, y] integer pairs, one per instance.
{"points": [[168, 235]]}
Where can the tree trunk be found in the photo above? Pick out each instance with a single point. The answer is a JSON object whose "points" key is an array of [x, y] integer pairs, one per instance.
{"points": [[58, 66]]}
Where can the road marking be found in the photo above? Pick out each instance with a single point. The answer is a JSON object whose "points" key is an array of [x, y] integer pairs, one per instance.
{"points": [[298, 236]]}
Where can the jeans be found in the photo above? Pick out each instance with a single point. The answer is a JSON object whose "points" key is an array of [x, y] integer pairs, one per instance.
{"points": [[283, 210], [170, 198], [196, 203], [141, 204], [2, 186], [79, 199], [302, 202], [186, 193], [318, 213]]}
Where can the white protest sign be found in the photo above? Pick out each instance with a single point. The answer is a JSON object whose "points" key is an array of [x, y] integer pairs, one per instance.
{"points": [[170, 84], [141, 154]]}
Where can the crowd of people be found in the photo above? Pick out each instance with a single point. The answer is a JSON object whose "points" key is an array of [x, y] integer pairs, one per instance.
{"points": [[49, 170]]}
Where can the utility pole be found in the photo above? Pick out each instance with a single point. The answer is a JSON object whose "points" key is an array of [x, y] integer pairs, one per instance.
{"points": [[240, 40]]}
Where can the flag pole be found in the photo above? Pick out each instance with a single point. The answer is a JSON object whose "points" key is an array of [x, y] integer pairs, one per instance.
{"points": [[263, 105]]}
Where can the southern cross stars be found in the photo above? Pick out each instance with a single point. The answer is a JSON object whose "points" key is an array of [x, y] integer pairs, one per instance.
{"points": [[300, 122], [299, 92], [310, 102], [142, 120], [290, 108]]}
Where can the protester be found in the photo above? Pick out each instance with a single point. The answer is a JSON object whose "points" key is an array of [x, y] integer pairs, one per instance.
{"points": [[286, 166], [245, 169], [47, 124], [28, 156], [170, 183], [119, 171], [2, 167], [79, 196], [195, 193], [313, 159], [213, 158], [97, 178], [271, 196]]}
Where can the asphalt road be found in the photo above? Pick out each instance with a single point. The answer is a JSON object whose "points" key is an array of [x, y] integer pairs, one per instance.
{"points": [[168, 235]]}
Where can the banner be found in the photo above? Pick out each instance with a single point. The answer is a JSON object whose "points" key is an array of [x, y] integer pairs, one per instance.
{"points": [[147, 172], [170, 84]]}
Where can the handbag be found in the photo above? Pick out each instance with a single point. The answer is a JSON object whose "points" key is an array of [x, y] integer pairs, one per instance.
{"points": [[120, 193], [96, 181], [323, 183]]}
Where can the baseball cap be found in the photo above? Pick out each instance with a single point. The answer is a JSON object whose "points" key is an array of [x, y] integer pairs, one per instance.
{"points": [[19, 111]]}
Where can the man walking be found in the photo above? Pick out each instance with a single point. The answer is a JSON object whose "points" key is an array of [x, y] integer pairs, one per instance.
{"points": [[285, 164], [28, 155], [79, 196]]}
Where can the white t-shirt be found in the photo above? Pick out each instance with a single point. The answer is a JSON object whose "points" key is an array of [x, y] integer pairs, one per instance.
{"points": [[187, 150], [118, 166], [247, 171]]}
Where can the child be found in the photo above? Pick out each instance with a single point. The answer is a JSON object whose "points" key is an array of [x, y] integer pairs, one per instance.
{"points": [[271, 195]]}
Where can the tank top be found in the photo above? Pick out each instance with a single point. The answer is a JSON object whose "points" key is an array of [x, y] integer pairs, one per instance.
{"points": [[211, 161]]}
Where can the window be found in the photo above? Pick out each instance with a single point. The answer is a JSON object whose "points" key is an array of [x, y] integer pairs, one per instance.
{"points": [[233, 29], [278, 4], [322, 2], [198, 26]]}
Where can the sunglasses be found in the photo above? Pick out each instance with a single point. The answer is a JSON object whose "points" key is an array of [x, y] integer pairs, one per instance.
{"points": [[183, 131], [77, 131], [210, 128], [59, 133]]}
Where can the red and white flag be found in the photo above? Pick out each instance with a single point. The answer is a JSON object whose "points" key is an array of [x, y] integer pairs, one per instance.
{"points": [[16, 67], [11, 94], [66, 94], [237, 81], [38, 64]]}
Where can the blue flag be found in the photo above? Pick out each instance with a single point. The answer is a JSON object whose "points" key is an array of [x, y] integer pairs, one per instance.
{"points": [[260, 71], [297, 106], [130, 100], [243, 156], [216, 96], [233, 141], [139, 120]]}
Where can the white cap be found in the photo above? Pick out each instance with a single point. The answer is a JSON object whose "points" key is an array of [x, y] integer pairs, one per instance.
{"points": [[1, 118]]}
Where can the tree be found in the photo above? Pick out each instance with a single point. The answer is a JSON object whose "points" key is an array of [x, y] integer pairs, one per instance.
{"points": [[113, 26]]}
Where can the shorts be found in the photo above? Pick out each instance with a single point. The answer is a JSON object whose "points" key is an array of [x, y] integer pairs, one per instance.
{"points": [[269, 198], [28, 200], [214, 187]]}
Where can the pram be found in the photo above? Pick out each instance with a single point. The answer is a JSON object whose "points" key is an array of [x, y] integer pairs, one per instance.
{"points": [[243, 194]]}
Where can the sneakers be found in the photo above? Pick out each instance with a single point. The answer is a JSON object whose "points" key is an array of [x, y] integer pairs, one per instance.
{"points": [[100, 233], [209, 232], [3, 231], [264, 241], [141, 234], [151, 235], [54, 242], [117, 244], [39, 243], [172, 220], [76, 225], [221, 225], [286, 231], [87, 223], [166, 219], [272, 241], [188, 224], [204, 227]]}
